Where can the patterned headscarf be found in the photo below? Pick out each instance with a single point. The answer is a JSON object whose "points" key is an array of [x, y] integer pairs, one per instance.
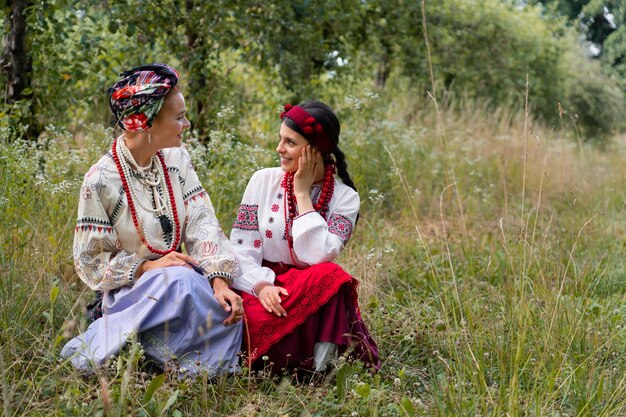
{"points": [[136, 99]]}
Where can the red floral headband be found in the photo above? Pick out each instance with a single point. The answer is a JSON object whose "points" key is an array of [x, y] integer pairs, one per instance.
{"points": [[313, 131]]}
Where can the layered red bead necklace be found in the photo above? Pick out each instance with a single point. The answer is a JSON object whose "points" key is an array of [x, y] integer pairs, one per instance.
{"points": [[291, 204], [133, 211]]}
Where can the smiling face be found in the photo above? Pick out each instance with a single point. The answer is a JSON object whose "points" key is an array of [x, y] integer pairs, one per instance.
{"points": [[289, 148], [170, 123]]}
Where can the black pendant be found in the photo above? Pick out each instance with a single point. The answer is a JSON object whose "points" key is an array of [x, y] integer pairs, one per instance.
{"points": [[166, 223]]}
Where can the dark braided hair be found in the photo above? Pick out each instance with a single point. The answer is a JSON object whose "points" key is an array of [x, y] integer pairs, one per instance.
{"points": [[325, 116]]}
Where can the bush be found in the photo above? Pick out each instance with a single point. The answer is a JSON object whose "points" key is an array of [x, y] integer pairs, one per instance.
{"points": [[594, 102]]}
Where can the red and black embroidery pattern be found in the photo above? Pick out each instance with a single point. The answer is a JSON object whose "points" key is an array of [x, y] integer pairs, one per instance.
{"points": [[94, 224], [247, 218], [196, 192], [340, 226]]}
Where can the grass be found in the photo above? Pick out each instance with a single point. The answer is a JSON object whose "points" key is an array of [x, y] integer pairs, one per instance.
{"points": [[490, 253]]}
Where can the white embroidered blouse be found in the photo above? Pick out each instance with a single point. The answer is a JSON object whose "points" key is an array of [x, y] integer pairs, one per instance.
{"points": [[259, 230], [107, 248]]}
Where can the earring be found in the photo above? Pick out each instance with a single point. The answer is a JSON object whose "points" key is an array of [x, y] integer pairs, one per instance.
{"points": [[149, 141]]}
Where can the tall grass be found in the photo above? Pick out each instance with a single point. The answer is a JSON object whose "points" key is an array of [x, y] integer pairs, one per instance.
{"points": [[490, 260]]}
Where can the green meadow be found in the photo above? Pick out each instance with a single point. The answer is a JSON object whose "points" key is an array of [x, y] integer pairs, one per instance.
{"points": [[489, 249]]}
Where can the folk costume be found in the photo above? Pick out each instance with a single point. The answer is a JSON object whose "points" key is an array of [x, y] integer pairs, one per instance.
{"points": [[128, 214], [278, 246]]}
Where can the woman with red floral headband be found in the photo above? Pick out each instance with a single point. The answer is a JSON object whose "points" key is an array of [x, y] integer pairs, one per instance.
{"points": [[301, 309], [138, 204]]}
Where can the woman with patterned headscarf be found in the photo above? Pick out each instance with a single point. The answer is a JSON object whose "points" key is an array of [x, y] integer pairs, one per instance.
{"points": [[138, 205]]}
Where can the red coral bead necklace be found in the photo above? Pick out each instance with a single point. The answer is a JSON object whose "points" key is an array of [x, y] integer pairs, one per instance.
{"points": [[291, 204], [131, 205]]}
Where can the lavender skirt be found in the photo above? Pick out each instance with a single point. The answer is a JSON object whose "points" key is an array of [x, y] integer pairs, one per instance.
{"points": [[176, 317]]}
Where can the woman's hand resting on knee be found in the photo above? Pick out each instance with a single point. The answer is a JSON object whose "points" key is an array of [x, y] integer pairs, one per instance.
{"points": [[269, 296], [228, 299], [171, 259]]}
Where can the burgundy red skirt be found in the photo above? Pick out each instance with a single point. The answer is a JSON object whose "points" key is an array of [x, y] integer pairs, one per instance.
{"points": [[322, 306]]}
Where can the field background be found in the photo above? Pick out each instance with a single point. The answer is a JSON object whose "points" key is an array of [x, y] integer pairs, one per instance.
{"points": [[488, 149]]}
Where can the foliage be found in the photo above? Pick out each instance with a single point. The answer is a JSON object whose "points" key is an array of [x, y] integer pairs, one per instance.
{"points": [[613, 56], [597, 19], [300, 50], [594, 103], [466, 57], [603, 23], [302, 38]]}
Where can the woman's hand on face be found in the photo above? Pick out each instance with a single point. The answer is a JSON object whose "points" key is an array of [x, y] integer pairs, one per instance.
{"points": [[310, 167], [269, 296], [229, 300], [171, 259]]}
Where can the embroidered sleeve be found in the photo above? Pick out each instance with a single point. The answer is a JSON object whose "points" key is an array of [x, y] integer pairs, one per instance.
{"points": [[98, 255], [203, 237], [316, 240], [247, 218], [247, 241], [340, 225]]}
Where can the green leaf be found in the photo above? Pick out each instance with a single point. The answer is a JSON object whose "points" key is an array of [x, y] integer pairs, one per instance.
{"points": [[342, 379], [169, 403], [155, 384], [54, 293], [58, 340], [113, 26], [130, 29], [363, 390], [407, 406]]}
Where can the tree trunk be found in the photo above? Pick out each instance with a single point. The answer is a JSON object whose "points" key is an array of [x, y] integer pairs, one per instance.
{"points": [[382, 73], [197, 80], [17, 67], [16, 63]]}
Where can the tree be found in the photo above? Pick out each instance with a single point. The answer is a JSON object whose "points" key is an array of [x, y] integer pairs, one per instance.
{"points": [[16, 66], [16, 63], [603, 23], [597, 19], [302, 39]]}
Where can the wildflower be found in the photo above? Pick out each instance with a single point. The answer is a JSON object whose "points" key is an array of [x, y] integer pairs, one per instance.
{"points": [[225, 112], [371, 94], [356, 102], [375, 196]]}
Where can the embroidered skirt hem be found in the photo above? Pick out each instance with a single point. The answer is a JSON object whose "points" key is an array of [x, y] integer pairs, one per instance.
{"points": [[322, 306]]}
